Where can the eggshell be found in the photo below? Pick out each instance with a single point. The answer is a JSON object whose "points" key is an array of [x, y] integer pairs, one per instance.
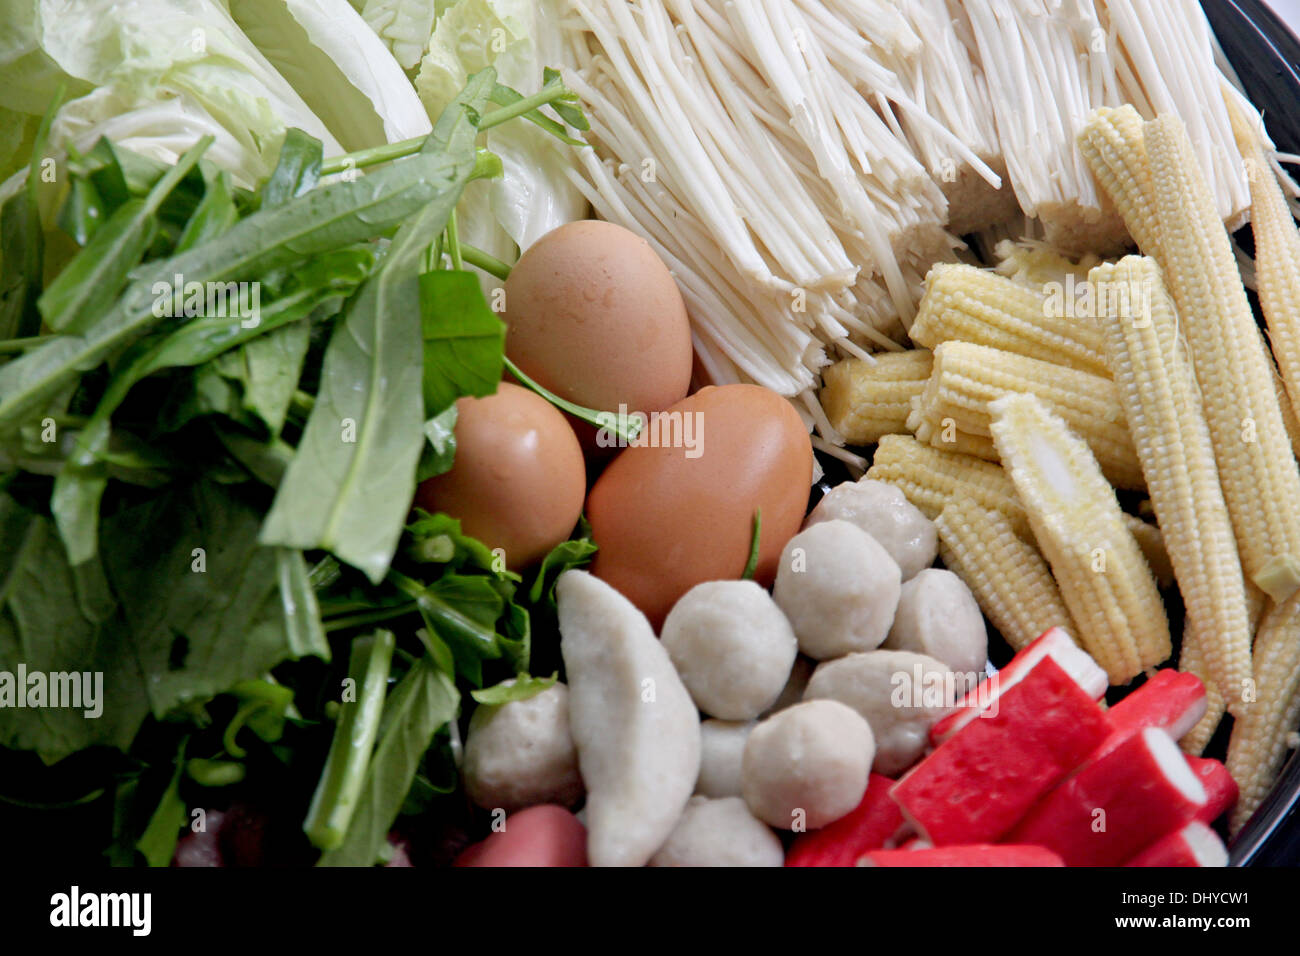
{"points": [[518, 478], [593, 314], [667, 516], [546, 835]]}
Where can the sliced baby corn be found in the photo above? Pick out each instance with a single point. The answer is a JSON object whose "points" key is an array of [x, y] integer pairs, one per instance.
{"points": [[975, 305], [1157, 386], [966, 377], [1261, 483], [930, 478], [1191, 660], [1271, 712], [1112, 143], [1006, 573], [867, 400], [1098, 566], [1277, 254]]}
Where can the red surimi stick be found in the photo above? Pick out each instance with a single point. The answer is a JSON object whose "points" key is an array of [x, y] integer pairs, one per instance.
{"points": [[1053, 643], [980, 781], [979, 854], [1193, 845], [1170, 700], [1116, 804], [1220, 788], [876, 819]]}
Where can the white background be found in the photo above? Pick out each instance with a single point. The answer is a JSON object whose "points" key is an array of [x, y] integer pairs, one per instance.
{"points": [[1288, 10]]}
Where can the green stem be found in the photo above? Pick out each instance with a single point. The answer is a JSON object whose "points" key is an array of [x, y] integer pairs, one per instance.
{"points": [[519, 108], [23, 344], [752, 564], [487, 164], [453, 242], [626, 430], [370, 617], [302, 402], [488, 263]]}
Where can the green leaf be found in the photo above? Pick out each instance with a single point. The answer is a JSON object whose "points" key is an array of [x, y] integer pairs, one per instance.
{"points": [[324, 220], [22, 244], [158, 842], [574, 553], [339, 789], [92, 280], [440, 454], [302, 624], [296, 171], [514, 689], [462, 610], [213, 217], [424, 701], [349, 487], [268, 369], [463, 338], [437, 538]]}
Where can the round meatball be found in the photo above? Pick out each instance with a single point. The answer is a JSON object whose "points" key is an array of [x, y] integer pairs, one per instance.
{"points": [[938, 616], [883, 512], [732, 647], [807, 765], [839, 588], [722, 744], [521, 754], [720, 833], [900, 694]]}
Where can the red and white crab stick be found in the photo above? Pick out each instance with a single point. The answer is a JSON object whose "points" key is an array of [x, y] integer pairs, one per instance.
{"points": [[1193, 845], [1054, 643], [1220, 788], [1170, 700], [982, 779], [980, 854], [1117, 803]]}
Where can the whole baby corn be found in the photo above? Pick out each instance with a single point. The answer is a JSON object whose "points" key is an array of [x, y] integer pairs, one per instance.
{"points": [[1103, 577], [1157, 387], [867, 400]]}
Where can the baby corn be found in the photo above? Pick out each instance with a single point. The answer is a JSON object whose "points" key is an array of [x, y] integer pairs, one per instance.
{"points": [[867, 400], [1152, 543], [930, 478], [1104, 580], [975, 305], [1260, 736], [1261, 483], [967, 377], [1192, 661], [1006, 574], [1277, 255], [1112, 144], [1156, 383]]}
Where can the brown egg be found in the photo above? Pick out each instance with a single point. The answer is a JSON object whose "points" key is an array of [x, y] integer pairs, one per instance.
{"points": [[668, 518], [593, 314], [518, 479]]}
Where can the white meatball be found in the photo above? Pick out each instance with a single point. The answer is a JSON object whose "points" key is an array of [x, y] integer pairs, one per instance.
{"points": [[900, 694], [839, 589], [722, 744], [807, 765], [720, 833], [732, 647], [633, 722], [882, 511], [938, 616], [521, 753]]}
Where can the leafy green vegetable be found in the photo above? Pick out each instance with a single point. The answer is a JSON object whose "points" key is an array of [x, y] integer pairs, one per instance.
{"points": [[514, 689], [22, 241], [349, 487], [423, 702], [335, 800], [574, 553], [440, 454], [296, 170], [95, 276], [463, 339], [215, 213], [267, 369], [158, 842]]}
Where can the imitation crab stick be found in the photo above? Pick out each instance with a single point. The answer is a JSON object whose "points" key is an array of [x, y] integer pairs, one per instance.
{"points": [[1117, 803], [980, 781], [1170, 701], [978, 854], [1054, 643], [876, 819], [1193, 845], [1220, 788]]}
